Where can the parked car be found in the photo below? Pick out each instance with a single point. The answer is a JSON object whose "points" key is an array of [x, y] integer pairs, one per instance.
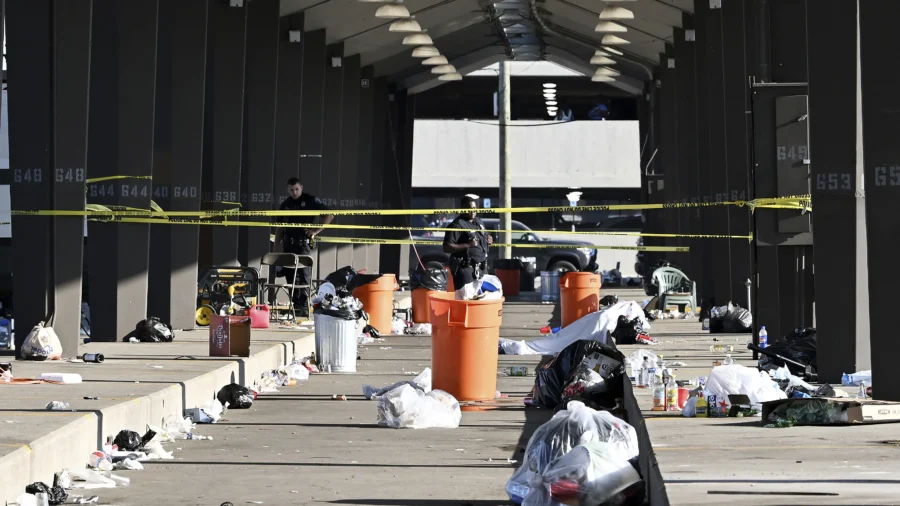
{"points": [[583, 259]]}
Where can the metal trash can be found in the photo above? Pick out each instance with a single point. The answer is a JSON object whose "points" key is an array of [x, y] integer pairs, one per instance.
{"points": [[549, 286], [336, 343]]}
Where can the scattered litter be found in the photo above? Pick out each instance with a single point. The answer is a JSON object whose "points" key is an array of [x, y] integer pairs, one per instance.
{"points": [[57, 406], [336, 397], [409, 407], [64, 378], [209, 412], [41, 343], [418, 329], [89, 398], [129, 465]]}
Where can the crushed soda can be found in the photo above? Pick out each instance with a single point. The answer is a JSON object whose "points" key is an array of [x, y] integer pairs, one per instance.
{"points": [[518, 371]]}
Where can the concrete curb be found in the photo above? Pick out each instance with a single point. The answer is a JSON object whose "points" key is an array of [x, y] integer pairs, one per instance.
{"points": [[69, 446]]}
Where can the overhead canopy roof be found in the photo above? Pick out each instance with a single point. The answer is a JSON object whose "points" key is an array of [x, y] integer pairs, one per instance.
{"points": [[473, 34]]}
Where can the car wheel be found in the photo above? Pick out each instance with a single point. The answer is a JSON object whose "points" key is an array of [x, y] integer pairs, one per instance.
{"points": [[563, 267]]}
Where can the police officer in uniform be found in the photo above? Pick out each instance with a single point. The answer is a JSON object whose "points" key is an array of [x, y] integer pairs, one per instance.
{"points": [[468, 250], [297, 240]]}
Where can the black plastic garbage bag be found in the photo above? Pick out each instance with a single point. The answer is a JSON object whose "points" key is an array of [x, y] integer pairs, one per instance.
{"points": [[131, 441], [554, 374], [609, 300], [346, 279], [800, 346], [55, 494], [151, 330], [236, 396], [731, 319], [344, 313], [627, 331], [430, 279], [371, 331]]}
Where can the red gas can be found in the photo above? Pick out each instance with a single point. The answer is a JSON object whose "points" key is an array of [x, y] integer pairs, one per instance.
{"points": [[259, 316]]}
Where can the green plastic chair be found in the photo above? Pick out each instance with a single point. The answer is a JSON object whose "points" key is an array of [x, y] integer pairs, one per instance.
{"points": [[669, 281]]}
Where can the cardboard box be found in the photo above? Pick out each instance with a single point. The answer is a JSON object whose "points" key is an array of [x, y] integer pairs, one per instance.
{"points": [[229, 336], [852, 410]]}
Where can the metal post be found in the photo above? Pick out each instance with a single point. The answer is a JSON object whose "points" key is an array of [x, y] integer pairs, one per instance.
{"points": [[505, 177]]}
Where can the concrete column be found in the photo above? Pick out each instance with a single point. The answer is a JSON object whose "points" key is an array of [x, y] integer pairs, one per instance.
{"points": [[365, 134], [737, 154], [882, 182], [71, 77], [833, 116], [396, 187], [347, 179], [329, 182], [263, 42], [120, 143], [704, 184], [380, 134], [689, 174], [224, 123], [287, 114], [719, 272], [30, 56], [668, 152], [311, 131], [178, 157]]}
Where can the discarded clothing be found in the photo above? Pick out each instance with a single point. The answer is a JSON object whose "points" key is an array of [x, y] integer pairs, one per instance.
{"points": [[406, 407]]}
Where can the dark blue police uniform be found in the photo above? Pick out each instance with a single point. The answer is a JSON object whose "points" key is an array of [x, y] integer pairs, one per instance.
{"points": [[468, 265], [296, 241]]}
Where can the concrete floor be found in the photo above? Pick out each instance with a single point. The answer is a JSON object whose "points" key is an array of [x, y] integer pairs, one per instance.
{"points": [[738, 461], [299, 446]]}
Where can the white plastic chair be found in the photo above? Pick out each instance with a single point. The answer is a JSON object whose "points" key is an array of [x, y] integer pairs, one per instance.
{"points": [[669, 281]]}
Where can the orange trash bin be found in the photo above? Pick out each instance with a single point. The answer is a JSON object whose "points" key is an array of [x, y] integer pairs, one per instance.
{"points": [[579, 295], [421, 306], [377, 298], [465, 335], [509, 274]]}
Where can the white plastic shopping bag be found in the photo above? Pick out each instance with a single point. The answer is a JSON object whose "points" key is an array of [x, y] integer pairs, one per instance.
{"points": [[42, 343]]}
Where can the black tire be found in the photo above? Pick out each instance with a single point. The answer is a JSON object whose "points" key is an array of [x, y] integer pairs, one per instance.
{"points": [[563, 266]]}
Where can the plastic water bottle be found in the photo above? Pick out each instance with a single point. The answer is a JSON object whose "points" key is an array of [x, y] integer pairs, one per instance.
{"points": [[763, 337], [644, 380]]}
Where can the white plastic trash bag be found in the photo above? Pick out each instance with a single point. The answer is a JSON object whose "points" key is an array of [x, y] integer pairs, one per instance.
{"points": [[488, 287], [421, 382], [406, 407], [42, 343], [725, 380], [592, 473], [573, 426]]}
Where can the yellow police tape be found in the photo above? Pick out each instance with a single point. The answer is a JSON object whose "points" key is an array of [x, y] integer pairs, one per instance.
{"points": [[112, 178], [359, 240], [800, 203]]}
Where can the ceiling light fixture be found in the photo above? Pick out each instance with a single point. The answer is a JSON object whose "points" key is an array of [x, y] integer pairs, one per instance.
{"points": [[436, 60], [425, 52], [392, 11], [551, 113], [549, 86], [417, 39], [609, 27], [405, 26], [612, 40], [452, 76], [602, 60], [603, 79], [616, 13], [551, 102], [443, 69]]}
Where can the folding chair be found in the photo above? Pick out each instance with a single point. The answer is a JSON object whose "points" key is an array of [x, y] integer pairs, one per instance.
{"points": [[286, 261]]}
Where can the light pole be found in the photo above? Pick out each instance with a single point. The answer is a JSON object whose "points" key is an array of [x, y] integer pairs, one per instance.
{"points": [[573, 197]]}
